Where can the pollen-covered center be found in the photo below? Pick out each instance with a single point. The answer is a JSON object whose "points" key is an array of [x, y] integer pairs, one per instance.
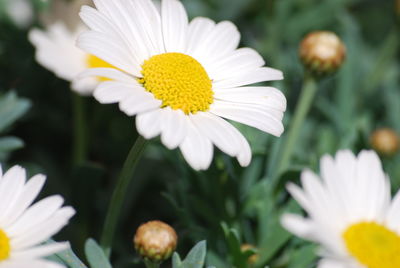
{"points": [[4, 246], [179, 81], [373, 245]]}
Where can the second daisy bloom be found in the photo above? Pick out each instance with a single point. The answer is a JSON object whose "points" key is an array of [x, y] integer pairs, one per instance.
{"points": [[181, 79]]}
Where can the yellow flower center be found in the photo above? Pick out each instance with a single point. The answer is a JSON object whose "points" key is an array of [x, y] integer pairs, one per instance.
{"points": [[179, 81], [373, 245], [94, 62], [4, 246]]}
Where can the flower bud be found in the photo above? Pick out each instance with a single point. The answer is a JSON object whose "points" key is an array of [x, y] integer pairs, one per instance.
{"points": [[385, 141], [155, 241], [322, 52], [253, 258]]}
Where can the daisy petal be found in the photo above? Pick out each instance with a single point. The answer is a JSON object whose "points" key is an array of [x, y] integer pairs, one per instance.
{"points": [[105, 48], [41, 251], [113, 91], [29, 193], [196, 149], [252, 116], [139, 102], [251, 77], [173, 127], [36, 214], [226, 137], [43, 231], [174, 25], [149, 124]]}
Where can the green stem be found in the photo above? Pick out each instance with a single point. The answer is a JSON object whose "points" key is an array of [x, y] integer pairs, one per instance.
{"points": [[150, 264], [302, 108], [80, 131], [119, 194]]}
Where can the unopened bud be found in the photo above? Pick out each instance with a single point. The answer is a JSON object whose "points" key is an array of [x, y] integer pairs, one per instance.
{"points": [[385, 141], [254, 257], [322, 52], [155, 241]]}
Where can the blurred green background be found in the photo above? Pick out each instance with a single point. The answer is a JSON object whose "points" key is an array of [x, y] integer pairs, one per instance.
{"points": [[225, 205]]}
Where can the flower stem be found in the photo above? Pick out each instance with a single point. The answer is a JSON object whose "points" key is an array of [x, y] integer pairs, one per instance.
{"points": [[119, 193], [307, 95], [80, 131]]}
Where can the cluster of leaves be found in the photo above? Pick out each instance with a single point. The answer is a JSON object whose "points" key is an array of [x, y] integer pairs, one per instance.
{"points": [[227, 205]]}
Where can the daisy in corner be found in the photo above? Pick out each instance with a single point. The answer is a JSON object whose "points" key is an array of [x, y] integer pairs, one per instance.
{"points": [[350, 212], [181, 80]]}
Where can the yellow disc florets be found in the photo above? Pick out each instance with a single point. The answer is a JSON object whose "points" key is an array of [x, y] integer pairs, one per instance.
{"points": [[4, 246], [373, 245], [179, 81]]}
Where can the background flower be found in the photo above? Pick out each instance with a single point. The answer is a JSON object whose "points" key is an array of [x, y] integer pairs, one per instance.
{"points": [[24, 225]]}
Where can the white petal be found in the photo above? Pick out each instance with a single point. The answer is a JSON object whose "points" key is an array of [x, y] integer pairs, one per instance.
{"points": [[110, 73], [264, 96], [338, 263], [10, 189], [115, 91], [29, 193], [109, 50], [199, 28], [220, 40], [84, 86], [196, 149], [173, 127], [149, 124], [393, 215], [38, 263], [148, 22], [174, 25], [35, 215], [267, 120], [242, 60], [44, 230], [40, 251], [56, 51], [299, 226], [139, 102], [226, 137], [250, 77], [121, 18]]}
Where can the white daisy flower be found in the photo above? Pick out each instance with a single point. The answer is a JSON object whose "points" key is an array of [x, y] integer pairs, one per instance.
{"points": [[180, 79], [56, 50], [24, 226], [350, 211]]}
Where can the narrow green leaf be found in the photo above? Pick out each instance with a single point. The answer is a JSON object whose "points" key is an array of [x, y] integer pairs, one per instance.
{"points": [[8, 144], [95, 255]]}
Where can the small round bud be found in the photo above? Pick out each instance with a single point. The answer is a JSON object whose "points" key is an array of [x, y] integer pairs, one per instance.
{"points": [[385, 141], [155, 241], [322, 52], [253, 258]]}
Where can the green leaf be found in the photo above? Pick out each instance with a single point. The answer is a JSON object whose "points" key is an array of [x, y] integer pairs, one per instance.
{"points": [[8, 144], [194, 259], [95, 255], [67, 257], [11, 109]]}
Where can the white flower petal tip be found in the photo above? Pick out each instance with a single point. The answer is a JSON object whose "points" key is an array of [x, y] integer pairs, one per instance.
{"points": [[148, 46], [348, 202], [28, 225]]}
